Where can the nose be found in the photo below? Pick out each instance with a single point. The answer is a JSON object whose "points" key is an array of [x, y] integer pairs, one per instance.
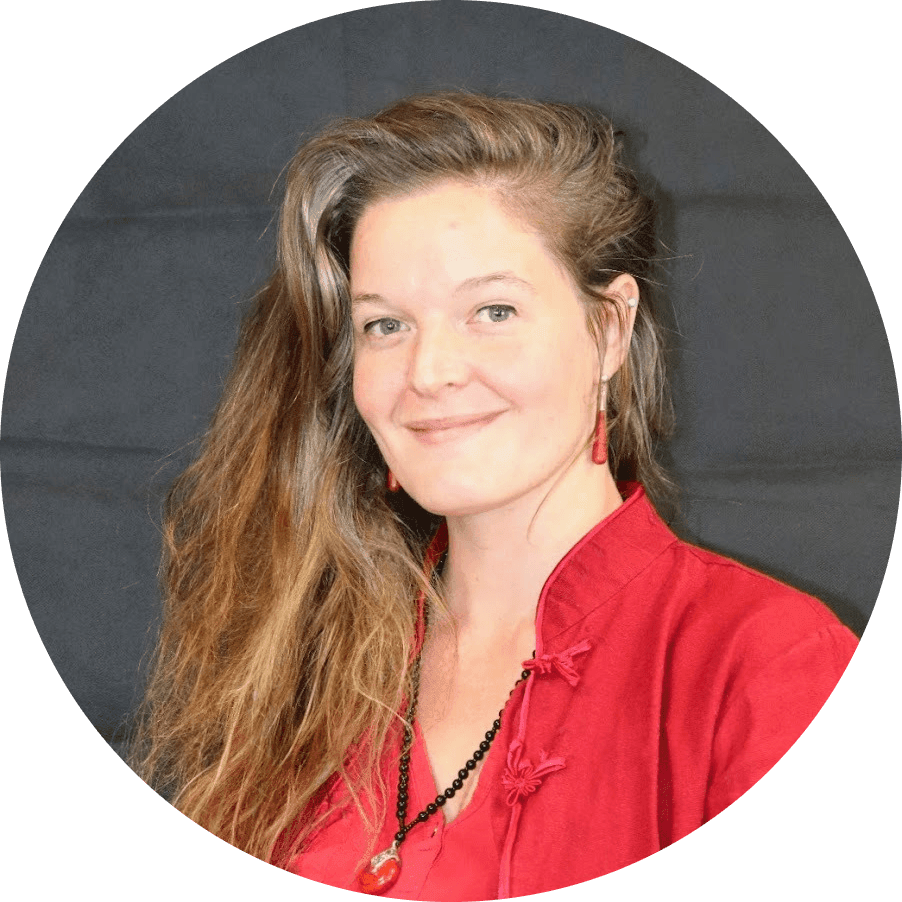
{"points": [[439, 359]]}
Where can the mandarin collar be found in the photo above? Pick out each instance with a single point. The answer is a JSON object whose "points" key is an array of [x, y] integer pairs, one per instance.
{"points": [[598, 566]]}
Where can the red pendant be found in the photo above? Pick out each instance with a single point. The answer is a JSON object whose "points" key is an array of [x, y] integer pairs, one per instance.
{"points": [[381, 873]]}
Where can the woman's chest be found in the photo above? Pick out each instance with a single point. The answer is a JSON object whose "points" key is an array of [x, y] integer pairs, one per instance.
{"points": [[462, 703]]}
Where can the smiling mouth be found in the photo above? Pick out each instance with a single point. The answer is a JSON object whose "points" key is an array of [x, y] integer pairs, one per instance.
{"points": [[447, 429]]}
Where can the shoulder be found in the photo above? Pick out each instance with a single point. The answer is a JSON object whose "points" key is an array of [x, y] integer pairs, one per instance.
{"points": [[633, 577], [712, 580], [737, 613]]}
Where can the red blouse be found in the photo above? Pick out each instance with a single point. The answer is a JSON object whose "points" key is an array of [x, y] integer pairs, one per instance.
{"points": [[667, 681]]}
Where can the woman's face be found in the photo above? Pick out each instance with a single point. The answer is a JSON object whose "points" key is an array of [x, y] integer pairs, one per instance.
{"points": [[473, 364]]}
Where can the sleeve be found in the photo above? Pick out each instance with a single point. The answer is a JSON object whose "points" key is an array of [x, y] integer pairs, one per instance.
{"points": [[767, 706]]}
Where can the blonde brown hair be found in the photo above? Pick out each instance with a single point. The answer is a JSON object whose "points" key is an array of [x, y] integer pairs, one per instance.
{"points": [[289, 580]]}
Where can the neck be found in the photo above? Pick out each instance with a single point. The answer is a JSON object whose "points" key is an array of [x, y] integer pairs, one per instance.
{"points": [[498, 561]]}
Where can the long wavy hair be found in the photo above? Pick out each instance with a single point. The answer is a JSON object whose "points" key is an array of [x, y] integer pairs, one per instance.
{"points": [[289, 580]]}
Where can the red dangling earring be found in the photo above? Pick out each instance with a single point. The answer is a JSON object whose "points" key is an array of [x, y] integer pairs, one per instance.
{"points": [[391, 482], [600, 440]]}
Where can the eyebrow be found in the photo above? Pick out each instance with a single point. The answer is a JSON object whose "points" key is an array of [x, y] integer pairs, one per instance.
{"points": [[474, 282], [501, 278]]}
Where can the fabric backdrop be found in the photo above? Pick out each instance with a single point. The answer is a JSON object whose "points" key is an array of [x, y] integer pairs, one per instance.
{"points": [[788, 441]]}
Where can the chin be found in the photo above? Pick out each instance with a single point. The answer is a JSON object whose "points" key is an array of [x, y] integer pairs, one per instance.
{"points": [[443, 506], [448, 498]]}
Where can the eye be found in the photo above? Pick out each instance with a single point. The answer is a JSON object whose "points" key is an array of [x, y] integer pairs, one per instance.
{"points": [[495, 313], [383, 327]]}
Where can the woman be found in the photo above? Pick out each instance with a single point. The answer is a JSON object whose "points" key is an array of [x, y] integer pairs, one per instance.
{"points": [[462, 308]]}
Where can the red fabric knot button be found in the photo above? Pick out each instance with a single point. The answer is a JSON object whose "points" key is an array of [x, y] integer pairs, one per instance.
{"points": [[522, 777], [561, 661]]}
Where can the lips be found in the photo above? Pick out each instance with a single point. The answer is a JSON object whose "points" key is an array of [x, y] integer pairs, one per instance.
{"points": [[444, 429]]}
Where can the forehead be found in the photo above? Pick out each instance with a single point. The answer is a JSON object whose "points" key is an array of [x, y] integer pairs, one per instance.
{"points": [[451, 231], [451, 205]]}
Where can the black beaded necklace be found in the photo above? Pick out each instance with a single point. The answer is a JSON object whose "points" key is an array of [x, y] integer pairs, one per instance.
{"points": [[384, 869]]}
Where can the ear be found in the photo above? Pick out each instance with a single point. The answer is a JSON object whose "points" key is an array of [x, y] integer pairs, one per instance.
{"points": [[624, 292]]}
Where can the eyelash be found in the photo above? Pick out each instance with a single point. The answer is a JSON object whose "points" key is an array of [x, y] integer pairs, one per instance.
{"points": [[370, 327], [507, 308]]}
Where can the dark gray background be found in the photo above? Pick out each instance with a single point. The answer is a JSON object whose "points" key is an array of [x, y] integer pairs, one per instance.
{"points": [[823, 84], [787, 446]]}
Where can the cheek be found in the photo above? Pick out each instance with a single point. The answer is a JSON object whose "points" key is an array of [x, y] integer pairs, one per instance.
{"points": [[364, 397], [546, 391], [561, 373], [363, 384], [375, 389]]}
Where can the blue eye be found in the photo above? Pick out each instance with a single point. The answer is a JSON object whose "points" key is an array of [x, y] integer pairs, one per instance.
{"points": [[496, 313], [383, 327]]}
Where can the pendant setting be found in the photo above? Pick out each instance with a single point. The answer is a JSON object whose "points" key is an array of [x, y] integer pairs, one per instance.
{"points": [[382, 872]]}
